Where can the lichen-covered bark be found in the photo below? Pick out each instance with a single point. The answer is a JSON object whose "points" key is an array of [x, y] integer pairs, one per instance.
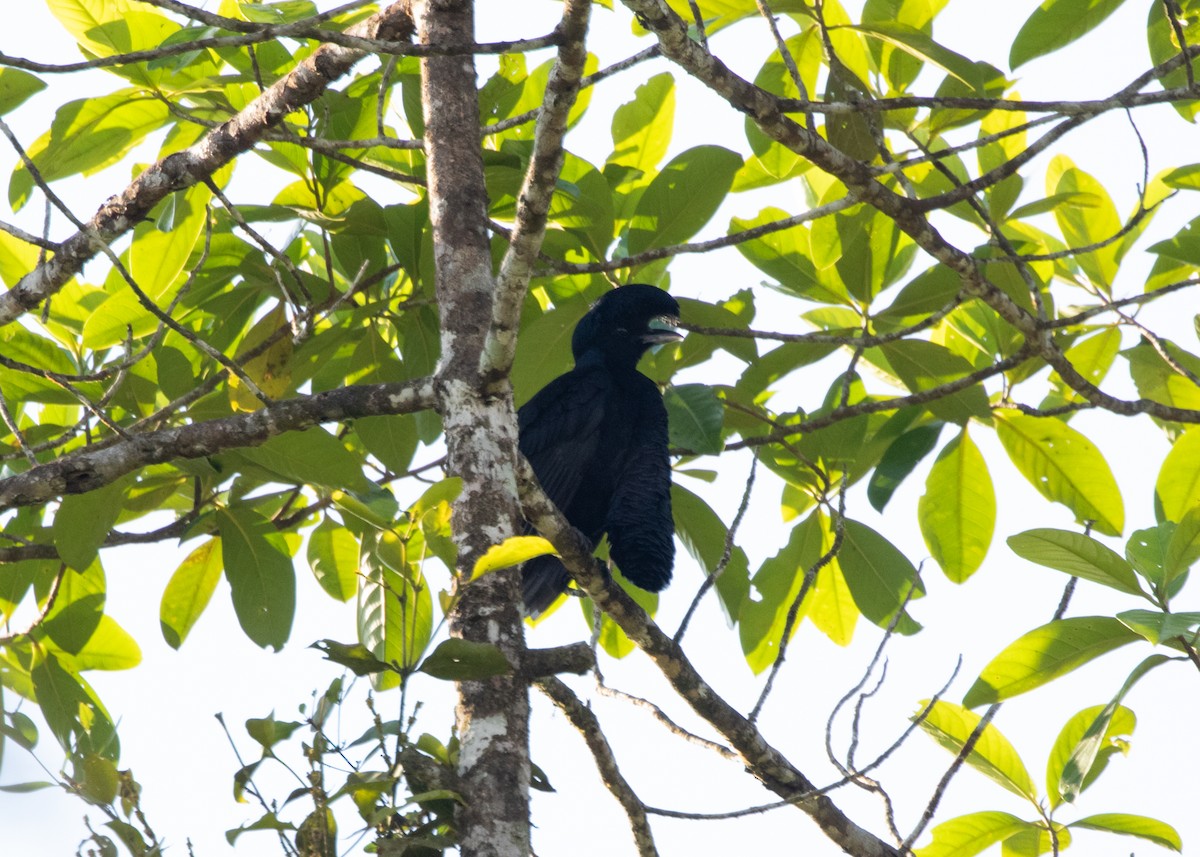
{"points": [[481, 437]]}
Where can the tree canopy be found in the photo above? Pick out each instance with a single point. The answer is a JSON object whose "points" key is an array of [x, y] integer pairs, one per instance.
{"points": [[278, 275]]}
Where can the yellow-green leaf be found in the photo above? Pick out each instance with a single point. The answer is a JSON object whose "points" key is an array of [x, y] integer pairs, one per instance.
{"points": [[1065, 467], [1150, 829], [15, 87], [1114, 722], [1077, 555], [1084, 225], [1046, 653], [957, 512], [970, 834], [189, 591], [333, 558], [512, 551], [777, 585], [1177, 490], [110, 647], [951, 726]]}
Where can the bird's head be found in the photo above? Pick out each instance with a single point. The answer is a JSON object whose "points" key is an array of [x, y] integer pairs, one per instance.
{"points": [[623, 322]]}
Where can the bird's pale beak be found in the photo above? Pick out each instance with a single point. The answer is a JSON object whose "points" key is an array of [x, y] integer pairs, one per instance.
{"points": [[662, 330]]}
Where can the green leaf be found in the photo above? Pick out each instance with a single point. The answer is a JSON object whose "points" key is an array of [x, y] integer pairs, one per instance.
{"points": [[189, 591], [130, 837], [1055, 24], [259, 569], [72, 710], [786, 256], [703, 535], [1150, 829], [1092, 357], [26, 788], [23, 730], [333, 558], [1184, 548], [353, 656], [879, 576], [1082, 749], [1077, 555], [899, 66], [930, 291], [97, 779], [395, 611], [20, 344], [899, 460], [776, 586], [1146, 551], [268, 731], [922, 365], [376, 507], [83, 521], [161, 246], [1177, 490], [1090, 224], [773, 159], [88, 135], [512, 551], [920, 45], [851, 249], [849, 132], [682, 198], [1164, 45], [1035, 840], [1158, 627], [313, 457], [544, 349], [1046, 653], [641, 128], [957, 512], [463, 660], [582, 203], [1065, 467], [15, 87], [77, 609], [832, 609], [951, 726], [443, 491], [695, 418], [970, 834], [110, 647], [270, 821]]}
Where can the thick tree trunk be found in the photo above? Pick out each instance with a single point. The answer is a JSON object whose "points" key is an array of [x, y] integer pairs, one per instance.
{"points": [[481, 435]]}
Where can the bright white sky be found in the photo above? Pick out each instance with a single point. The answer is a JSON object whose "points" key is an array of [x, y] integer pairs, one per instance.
{"points": [[166, 705]]}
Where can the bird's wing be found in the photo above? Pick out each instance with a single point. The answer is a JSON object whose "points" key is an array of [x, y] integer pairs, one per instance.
{"points": [[560, 430], [641, 531]]}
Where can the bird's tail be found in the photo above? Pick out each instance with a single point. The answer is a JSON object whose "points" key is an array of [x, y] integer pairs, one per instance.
{"points": [[543, 579]]}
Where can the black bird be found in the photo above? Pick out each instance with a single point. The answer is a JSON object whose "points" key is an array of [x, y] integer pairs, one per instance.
{"points": [[597, 440]]}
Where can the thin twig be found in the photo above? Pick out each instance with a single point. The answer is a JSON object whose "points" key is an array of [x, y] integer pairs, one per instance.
{"points": [[726, 554]]}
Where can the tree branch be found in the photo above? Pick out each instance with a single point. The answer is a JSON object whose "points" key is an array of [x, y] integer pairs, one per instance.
{"points": [[584, 719], [98, 465], [180, 170], [533, 202], [761, 759]]}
